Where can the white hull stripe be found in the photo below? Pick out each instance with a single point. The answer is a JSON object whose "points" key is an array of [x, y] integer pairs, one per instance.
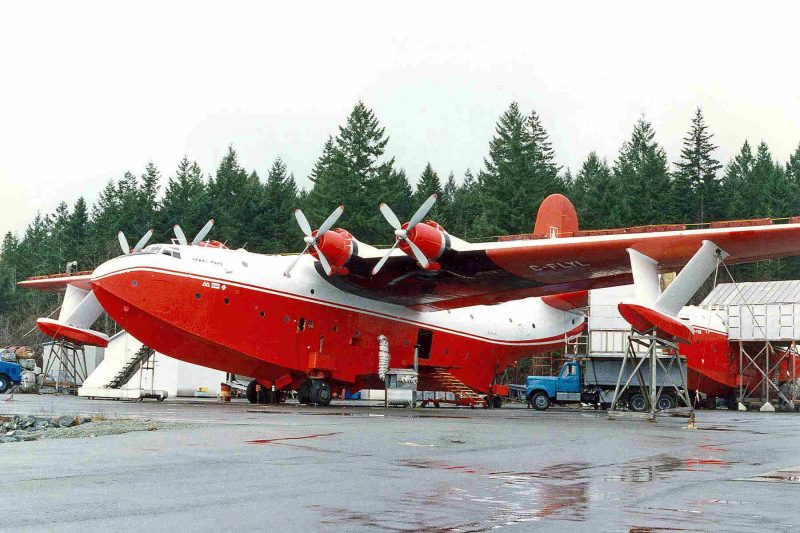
{"points": [[567, 335]]}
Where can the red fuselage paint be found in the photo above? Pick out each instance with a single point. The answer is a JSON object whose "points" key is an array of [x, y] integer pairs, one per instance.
{"points": [[235, 311]]}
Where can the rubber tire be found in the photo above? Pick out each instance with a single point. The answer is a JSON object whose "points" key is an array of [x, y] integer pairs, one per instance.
{"points": [[5, 383], [665, 402], [321, 393], [304, 393], [637, 403], [252, 395], [497, 402], [540, 401]]}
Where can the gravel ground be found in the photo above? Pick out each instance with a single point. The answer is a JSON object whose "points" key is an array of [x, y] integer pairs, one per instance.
{"points": [[31, 428]]}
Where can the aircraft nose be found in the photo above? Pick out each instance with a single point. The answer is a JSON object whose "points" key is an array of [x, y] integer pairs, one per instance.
{"points": [[106, 271]]}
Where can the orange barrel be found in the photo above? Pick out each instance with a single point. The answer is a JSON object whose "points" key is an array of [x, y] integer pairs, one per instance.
{"points": [[224, 392]]}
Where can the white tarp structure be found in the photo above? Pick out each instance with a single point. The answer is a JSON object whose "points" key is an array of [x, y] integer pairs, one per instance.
{"points": [[758, 311], [160, 373]]}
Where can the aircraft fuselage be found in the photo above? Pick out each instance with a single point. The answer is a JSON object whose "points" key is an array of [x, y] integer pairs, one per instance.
{"points": [[235, 311]]}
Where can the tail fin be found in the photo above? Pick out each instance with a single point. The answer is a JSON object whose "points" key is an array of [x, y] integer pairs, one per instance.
{"points": [[556, 216]]}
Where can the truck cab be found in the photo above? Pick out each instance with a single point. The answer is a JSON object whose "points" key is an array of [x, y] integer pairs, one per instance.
{"points": [[10, 374], [542, 391]]}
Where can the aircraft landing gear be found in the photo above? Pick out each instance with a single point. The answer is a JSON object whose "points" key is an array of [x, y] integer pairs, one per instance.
{"points": [[314, 391], [263, 395]]}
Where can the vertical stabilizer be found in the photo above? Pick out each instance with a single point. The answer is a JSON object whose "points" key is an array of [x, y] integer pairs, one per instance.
{"points": [[556, 216]]}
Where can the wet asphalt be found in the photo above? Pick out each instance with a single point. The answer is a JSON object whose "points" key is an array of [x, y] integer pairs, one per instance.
{"points": [[356, 467]]}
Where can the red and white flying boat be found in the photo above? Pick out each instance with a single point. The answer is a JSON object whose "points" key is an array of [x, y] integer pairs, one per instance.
{"points": [[312, 322]]}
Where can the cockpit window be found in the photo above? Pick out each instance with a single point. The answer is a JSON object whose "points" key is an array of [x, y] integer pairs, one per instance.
{"points": [[160, 249], [172, 252]]}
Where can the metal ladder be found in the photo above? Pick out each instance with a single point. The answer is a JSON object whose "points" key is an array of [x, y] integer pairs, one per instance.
{"points": [[449, 383], [131, 367]]}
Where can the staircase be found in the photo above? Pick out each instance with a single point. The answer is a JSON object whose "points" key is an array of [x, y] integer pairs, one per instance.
{"points": [[130, 368], [449, 383]]}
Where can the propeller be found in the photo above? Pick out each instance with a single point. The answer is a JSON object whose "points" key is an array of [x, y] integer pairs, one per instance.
{"points": [[126, 249], [401, 233], [312, 240], [181, 236]]}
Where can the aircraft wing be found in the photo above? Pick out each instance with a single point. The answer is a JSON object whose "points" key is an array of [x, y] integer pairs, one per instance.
{"points": [[58, 282], [522, 266]]}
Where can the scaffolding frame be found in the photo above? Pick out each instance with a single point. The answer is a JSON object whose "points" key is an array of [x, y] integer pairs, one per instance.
{"points": [[657, 351], [69, 361], [768, 373]]}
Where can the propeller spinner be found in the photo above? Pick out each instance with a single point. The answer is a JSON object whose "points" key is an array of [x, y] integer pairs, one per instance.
{"points": [[312, 239], [401, 232]]}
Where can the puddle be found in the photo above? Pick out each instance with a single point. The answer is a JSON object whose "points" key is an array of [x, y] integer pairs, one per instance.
{"points": [[282, 439], [729, 428], [561, 471], [436, 465], [785, 475], [663, 466]]}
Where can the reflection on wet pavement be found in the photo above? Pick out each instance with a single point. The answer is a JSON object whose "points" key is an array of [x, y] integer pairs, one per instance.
{"points": [[661, 467]]}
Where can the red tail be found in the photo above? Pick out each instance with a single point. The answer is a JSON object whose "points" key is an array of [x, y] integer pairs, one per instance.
{"points": [[556, 215]]}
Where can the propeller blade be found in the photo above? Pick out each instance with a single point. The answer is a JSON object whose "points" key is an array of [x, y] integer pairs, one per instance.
{"points": [[302, 221], [325, 265], [203, 232], [421, 212], [296, 259], [143, 241], [330, 221], [123, 243], [180, 235], [390, 217], [385, 258], [421, 259]]}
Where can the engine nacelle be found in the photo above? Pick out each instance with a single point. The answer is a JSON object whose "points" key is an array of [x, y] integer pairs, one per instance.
{"points": [[429, 237], [337, 246]]}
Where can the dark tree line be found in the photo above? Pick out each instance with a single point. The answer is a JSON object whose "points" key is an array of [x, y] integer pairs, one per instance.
{"points": [[640, 186]]}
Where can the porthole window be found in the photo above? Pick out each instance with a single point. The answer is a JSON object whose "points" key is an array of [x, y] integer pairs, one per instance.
{"points": [[262, 314], [286, 318], [135, 283], [227, 301], [335, 328], [244, 264], [533, 326], [197, 295], [312, 291]]}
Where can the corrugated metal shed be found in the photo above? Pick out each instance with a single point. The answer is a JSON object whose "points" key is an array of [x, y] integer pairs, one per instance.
{"points": [[754, 292], [759, 310]]}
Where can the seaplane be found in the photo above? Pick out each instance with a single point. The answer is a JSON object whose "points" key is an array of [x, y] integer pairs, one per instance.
{"points": [[315, 322]]}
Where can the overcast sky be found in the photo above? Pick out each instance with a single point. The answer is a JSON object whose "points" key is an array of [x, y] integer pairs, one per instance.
{"points": [[90, 90]]}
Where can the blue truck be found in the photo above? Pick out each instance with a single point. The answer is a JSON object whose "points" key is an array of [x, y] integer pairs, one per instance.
{"points": [[10, 375], [591, 380]]}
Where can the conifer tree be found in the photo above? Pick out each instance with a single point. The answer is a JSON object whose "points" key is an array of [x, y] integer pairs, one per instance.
{"points": [[234, 199], [446, 202], [696, 185], [427, 185], [593, 194], [275, 225], [185, 200], [77, 235], [641, 178], [520, 172], [737, 191], [352, 171], [148, 197]]}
